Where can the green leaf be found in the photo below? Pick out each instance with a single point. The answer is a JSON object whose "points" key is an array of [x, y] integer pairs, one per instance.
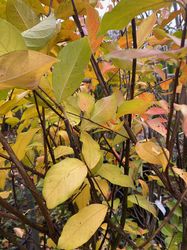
{"points": [[71, 107], [126, 10], [3, 94], [102, 113], [20, 14], [69, 72], [38, 36], [90, 150], [81, 226], [113, 174], [10, 39], [142, 202], [134, 106], [62, 180]]}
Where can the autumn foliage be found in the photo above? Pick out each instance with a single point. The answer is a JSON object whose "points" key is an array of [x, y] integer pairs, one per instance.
{"points": [[93, 112]]}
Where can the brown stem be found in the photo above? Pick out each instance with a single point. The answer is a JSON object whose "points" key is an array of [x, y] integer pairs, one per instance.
{"points": [[177, 74], [45, 138], [20, 216], [128, 142], [92, 59], [30, 185]]}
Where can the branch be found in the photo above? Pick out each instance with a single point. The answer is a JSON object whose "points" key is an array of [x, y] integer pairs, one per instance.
{"points": [[30, 185], [166, 219], [92, 59], [19, 216]]}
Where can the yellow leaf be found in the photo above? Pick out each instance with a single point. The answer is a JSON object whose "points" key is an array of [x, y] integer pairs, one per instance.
{"points": [[30, 113], [65, 8], [133, 228], [3, 9], [152, 153], [145, 188], [90, 150], [12, 121], [62, 180], [103, 186], [10, 104], [23, 69], [37, 7], [81, 226], [85, 102], [55, 3], [3, 176], [134, 106], [22, 141], [20, 14], [5, 194], [62, 150], [142, 202], [145, 29], [114, 175], [83, 198], [101, 112], [181, 173], [63, 134], [50, 243]]}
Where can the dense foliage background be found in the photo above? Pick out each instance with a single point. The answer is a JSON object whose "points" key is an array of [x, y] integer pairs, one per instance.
{"points": [[93, 147]]}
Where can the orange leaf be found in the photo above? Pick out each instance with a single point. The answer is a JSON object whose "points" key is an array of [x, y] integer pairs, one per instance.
{"points": [[146, 96], [93, 24], [165, 84], [124, 42], [183, 77]]}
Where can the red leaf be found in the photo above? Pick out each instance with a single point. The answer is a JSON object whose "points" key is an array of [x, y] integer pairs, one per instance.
{"points": [[156, 111], [157, 125]]}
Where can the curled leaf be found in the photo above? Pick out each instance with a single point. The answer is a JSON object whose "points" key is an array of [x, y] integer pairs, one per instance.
{"points": [[152, 153]]}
